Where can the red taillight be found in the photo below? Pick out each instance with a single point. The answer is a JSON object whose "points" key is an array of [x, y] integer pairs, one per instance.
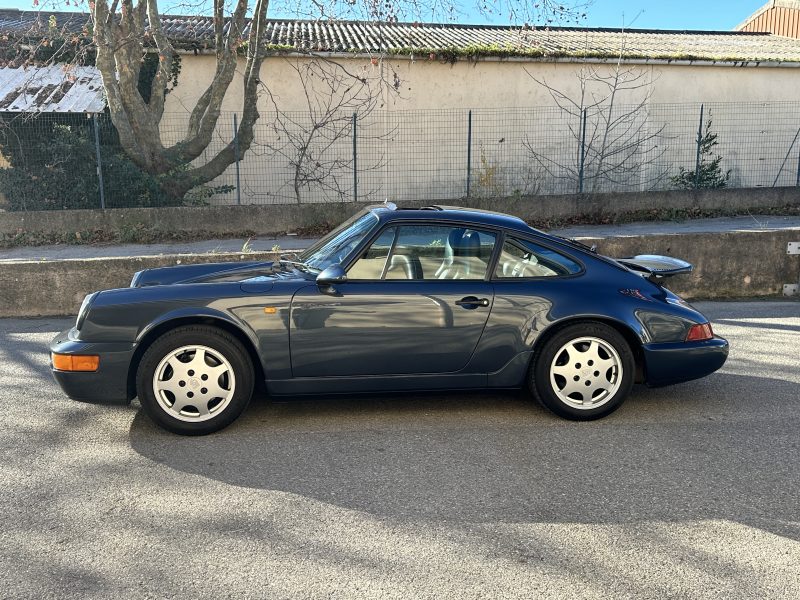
{"points": [[698, 333]]}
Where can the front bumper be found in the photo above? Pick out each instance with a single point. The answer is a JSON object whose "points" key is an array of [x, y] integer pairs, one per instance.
{"points": [[666, 364], [109, 384]]}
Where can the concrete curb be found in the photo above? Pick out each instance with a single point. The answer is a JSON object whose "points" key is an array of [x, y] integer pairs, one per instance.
{"points": [[737, 264]]}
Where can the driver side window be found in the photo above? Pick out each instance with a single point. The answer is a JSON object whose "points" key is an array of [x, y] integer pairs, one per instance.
{"points": [[422, 252], [373, 261]]}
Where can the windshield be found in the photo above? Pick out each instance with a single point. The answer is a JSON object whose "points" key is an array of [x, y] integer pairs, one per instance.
{"points": [[335, 246]]}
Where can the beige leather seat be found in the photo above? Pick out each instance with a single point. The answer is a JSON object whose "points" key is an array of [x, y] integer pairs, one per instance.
{"points": [[462, 256]]}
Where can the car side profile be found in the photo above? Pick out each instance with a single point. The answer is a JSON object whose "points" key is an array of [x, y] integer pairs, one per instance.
{"points": [[391, 300]]}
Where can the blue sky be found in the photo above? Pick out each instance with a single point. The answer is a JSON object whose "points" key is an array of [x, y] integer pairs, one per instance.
{"points": [[672, 14], [652, 14]]}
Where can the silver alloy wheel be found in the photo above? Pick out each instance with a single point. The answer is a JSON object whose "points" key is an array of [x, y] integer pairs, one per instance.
{"points": [[586, 373], [194, 383]]}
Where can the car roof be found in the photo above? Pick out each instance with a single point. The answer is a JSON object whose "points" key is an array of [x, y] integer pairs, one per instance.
{"points": [[389, 212]]}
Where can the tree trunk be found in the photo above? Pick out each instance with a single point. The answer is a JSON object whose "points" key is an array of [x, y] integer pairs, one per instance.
{"points": [[123, 37]]}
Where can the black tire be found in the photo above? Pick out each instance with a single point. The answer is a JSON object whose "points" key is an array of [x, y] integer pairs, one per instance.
{"points": [[216, 351], [591, 370]]}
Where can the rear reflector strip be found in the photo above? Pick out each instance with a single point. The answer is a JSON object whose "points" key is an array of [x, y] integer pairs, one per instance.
{"points": [[75, 362], [699, 333]]}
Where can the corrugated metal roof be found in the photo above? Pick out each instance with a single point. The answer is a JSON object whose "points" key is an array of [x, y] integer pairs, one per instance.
{"points": [[485, 40], [51, 88]]}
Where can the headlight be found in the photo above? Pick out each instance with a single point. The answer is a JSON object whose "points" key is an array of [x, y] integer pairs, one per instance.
{"points": [[87, 302]]}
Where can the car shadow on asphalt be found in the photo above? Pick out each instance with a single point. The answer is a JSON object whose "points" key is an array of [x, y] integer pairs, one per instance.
{"points": [[686, 452]]}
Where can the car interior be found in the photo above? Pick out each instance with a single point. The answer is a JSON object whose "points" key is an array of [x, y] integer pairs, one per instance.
{"points": [[465, 254]]}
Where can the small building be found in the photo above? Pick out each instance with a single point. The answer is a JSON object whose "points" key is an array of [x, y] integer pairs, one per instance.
{"points": [[778, 17]]}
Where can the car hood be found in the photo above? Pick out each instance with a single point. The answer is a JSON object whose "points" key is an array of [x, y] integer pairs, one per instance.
{"points": [[203, 273]]}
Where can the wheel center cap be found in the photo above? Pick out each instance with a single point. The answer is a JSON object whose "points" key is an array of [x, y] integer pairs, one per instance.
{"points": [[194, 383], [586, 372]]}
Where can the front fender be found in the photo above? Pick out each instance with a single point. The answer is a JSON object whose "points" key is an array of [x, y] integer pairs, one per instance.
{"points": [[189, 314]]}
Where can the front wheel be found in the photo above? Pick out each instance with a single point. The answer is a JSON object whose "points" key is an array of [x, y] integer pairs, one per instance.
{"points": [[584, 372], [195, 380]]}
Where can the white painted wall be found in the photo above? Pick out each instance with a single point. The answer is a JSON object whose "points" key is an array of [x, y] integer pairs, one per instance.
{"points": [[417, 139]]}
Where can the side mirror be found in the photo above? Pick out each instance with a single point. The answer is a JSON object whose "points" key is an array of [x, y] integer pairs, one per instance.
{"points": [[333, 274]]}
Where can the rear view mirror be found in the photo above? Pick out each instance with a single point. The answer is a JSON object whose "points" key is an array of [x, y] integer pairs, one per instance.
{"points": [[331, 275]]}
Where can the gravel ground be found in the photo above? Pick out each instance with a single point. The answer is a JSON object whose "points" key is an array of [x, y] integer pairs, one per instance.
{"points": [[689, 491]]}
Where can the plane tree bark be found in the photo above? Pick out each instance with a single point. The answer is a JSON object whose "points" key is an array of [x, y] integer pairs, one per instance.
{"points": [[123, 32]]}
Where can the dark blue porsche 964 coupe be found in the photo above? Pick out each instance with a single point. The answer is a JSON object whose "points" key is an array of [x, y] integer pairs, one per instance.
{"points": [[393, 299]]}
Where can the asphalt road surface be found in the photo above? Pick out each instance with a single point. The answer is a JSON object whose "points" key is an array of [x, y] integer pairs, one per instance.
{"points": [[689, 491]]}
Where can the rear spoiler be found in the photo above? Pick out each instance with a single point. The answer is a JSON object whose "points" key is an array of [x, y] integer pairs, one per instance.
{"points": [[656, 267]]}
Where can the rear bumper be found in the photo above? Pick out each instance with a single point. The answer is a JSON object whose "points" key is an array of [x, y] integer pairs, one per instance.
{"points": [[109, 384], [666, 364]]}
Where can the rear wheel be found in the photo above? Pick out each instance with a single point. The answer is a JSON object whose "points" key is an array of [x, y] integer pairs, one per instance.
{"points": [[195, 380], [583, 372]]}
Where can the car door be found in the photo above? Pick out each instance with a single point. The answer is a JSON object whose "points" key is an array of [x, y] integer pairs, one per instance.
{"points": [[415, 302]]}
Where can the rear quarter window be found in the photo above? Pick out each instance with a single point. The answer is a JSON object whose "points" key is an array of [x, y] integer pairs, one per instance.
{"points": [[525, 259]]}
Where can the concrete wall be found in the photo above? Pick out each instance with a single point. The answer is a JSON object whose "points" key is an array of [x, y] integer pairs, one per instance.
{"points": [[234, 221], [729, 265], [67, 281], [741, 264]]}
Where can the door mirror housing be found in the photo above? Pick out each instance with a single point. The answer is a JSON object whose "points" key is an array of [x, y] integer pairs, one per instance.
{"points": [[332, 274]]}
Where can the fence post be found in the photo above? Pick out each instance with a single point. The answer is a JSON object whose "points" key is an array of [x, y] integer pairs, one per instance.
{"points": [[786, 158], [797, 181], [99, 161], [583, 152], [469, 151], [236, 157], [699, 143], [355, 157]]}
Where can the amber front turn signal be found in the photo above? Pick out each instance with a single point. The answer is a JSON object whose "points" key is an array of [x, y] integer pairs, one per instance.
{"points": [[74, 362]]}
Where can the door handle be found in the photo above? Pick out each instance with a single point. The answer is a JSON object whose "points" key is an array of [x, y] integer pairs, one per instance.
{"points": [[472, 302]]}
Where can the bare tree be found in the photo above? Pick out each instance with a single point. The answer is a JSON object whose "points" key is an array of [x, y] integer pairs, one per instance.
{"points": [[123, 32], [315, 139], [617, 143]]}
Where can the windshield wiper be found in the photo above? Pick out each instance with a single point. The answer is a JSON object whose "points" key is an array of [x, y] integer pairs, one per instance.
{"points": [[300, 265]]}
